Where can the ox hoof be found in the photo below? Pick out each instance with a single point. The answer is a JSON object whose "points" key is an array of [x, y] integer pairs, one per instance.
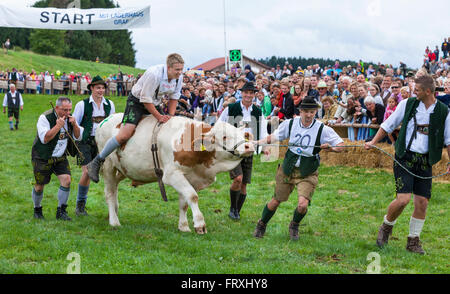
{"points": [[185, 229], [114, 224], [201, 230]]}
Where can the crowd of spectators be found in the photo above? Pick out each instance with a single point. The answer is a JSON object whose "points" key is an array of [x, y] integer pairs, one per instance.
{"points": [[348, 95]]}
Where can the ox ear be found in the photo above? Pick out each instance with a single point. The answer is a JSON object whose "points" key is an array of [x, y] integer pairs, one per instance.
{"points": [[248, 136], [205, 143]]}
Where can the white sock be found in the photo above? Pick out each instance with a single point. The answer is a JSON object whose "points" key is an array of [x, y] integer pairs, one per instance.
{"points": [[415, 227], [388, 222]]}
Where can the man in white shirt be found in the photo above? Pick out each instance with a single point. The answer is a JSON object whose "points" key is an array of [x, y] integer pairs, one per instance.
{"points": [[48, 154], [300, 164], [249, 115], [13, 100], [89, 113], [146, 97], [425, 129]]}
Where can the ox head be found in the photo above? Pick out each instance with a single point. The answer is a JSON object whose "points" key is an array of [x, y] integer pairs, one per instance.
{"points": [[234, 141]]}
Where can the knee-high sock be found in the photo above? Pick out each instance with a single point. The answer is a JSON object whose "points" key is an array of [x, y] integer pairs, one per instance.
{"points": [[267, 214], [37, 197], [63, 195], [82, 192], [298, 216], [415, 227], [109, 148]]}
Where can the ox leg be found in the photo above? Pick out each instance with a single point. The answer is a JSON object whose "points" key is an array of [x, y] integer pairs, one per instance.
{"points": [[111, 183], [189, 195], [183, 224]]}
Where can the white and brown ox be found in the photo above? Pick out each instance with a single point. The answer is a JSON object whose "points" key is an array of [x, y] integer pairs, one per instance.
{"points": [[191, 153]]}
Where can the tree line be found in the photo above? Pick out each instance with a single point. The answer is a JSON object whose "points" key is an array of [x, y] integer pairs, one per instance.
{"points": [[109, 46], [304, 62]]}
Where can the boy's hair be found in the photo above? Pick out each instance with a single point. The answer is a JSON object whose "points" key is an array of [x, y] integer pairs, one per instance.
{"points": [[174, 58]]}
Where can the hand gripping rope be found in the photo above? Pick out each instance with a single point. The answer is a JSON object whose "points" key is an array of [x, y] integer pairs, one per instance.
{"points": [[354, 146]]}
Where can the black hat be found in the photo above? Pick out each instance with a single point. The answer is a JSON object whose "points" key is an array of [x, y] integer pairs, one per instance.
{"points": [[249, 87], [96, 81], [309, 103]]}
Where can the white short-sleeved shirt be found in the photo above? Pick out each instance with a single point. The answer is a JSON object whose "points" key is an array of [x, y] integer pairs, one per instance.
{"points": [[328, 134], [14, 97], [154, 77], [43, 126], [246, 116], [420, 143], [96, 111]]}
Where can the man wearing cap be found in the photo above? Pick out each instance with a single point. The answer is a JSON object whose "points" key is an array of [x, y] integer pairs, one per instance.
{"points": [[301, 162], [89, 113], [146, 97], [243, 113]]}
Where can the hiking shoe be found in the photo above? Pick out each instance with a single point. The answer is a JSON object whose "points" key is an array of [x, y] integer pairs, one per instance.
{"points": [[38, 213], [293, 230], [414, 245], [81, 208], [260, 229], [94, 167], [234, 214], [383, 234], [61, 213]]}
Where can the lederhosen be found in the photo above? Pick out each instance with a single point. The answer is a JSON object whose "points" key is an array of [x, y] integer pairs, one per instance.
{"points": [[235, 115], [416, 163], [13, 107], [41, 154], [135, 109], [88, 146]]}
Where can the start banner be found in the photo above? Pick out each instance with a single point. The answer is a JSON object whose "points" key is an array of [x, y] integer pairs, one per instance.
{"points": [[75, 19]]}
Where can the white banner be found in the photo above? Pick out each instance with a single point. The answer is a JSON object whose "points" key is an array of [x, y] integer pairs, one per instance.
{"points": [[75, 19]]}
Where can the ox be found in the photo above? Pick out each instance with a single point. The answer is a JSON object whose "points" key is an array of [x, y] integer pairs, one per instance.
{"points": [[191, 154]]}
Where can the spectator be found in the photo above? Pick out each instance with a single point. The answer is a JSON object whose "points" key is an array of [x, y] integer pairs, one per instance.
{"points": [[328, 110], [375, 114], [436, 53], [374, 91], [342, 101], [446, 97], [386, 92], [286, 104], [207, 102], [396, 85], [249, 74], [445, 48], [404, 91], [298, 95], [6, 46], [392, 105]]}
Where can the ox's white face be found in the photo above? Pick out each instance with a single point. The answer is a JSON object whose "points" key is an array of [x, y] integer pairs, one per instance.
{"points": [[232, 139]]}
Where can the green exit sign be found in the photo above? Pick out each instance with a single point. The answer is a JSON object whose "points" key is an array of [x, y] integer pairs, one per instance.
{"points": [[235, 55]]}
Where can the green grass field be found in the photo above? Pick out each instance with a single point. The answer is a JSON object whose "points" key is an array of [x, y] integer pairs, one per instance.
{"points": [[336, 236], [27, 60]]}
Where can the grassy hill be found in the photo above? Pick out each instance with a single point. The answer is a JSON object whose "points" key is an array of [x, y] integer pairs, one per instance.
{"points": [[27, 60]]}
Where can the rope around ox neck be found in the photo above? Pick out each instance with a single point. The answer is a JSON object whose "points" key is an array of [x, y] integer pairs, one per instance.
{"points": [[354, 146]]}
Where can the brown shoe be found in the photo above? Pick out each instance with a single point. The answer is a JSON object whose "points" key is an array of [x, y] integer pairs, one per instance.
{"points": [[414, 245], [260, 229], [293, 230], [383, 234]]}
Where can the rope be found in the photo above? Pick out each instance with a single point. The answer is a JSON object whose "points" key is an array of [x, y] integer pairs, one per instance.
{"points": [[354, 146]]}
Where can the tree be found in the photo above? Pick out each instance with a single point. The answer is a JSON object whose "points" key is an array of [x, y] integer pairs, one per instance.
{"points": [[50, 42]]}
